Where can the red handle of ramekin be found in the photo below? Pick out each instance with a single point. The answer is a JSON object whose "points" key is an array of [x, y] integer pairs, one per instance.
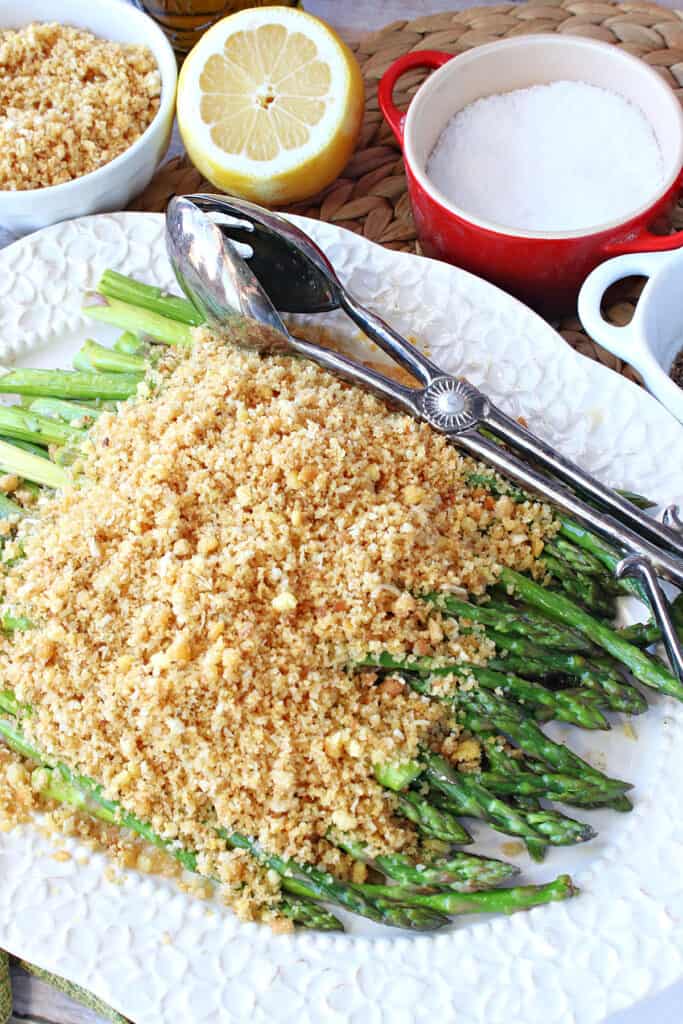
{"points": [[643, 240], [385, 92]]}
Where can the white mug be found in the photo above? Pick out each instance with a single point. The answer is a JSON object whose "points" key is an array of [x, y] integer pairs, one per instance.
{"points": [[651, 341]]}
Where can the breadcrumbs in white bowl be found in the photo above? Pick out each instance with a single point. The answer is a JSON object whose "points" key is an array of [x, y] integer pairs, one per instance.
{"points": [[87, 97]]}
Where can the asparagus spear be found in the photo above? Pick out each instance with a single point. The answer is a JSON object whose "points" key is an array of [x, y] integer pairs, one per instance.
{"points": [[459, 871], [31, 467], [518, 773], [650, 672], [597, 686], [66, 786], [483, 710], [95, 357], [541, 631], [496, 485], [325, 886], [585, 589], [602, 551], [69, 384], [126, 289], [499, 901], [308, 914], [69, 412], [430, 820], [464, 793], [23, 425], [566, 707], [548, 785], [141, 321], [643, 634], [53, 784], [503, 762], [27, 446], [581, 561], [595, 675]]}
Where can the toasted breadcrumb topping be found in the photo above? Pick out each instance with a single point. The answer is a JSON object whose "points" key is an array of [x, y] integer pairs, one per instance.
{"points": [[237, 543], [69, 102]]}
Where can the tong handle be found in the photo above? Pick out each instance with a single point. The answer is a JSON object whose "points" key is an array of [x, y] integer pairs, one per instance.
{"points": [[664, 564], [507, 429], [671, 517], [390, 341], [533, 447], [397, 396], [637, 567]]}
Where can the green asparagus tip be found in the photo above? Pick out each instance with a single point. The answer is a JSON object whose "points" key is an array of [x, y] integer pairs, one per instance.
{"points": [[398, 775], [308, 914]]}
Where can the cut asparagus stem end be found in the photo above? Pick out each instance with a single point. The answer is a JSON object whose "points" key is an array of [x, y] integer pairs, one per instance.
{"points": [[107, 360], [69, 412], [129, 344], [24, 464], [9, 508], [24, 425], [117, 286], [398, 775], [142, 321], [9, 703], [69, 384]]}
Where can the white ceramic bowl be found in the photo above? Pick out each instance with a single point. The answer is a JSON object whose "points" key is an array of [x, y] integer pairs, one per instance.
{"points": [[112, 186], [654, 336]]}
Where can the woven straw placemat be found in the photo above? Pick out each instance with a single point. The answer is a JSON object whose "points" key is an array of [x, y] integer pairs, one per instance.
{"points": [[370, 195]]}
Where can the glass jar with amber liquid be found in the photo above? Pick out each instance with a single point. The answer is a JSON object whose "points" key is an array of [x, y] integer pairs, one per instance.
{"points": [[183, 21]]}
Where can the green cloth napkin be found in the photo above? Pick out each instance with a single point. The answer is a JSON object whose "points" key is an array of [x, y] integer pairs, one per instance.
{"points": [[5, 989], [75, 992]]}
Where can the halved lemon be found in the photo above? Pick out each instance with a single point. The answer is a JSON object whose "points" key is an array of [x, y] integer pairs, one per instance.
{"points": [[270, 103]]}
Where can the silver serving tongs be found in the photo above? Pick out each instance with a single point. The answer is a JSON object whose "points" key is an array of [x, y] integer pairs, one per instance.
{"points": [[223, 287]]}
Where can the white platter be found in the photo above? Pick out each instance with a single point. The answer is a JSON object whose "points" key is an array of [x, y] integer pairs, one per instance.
{"points": [[159, 956]]}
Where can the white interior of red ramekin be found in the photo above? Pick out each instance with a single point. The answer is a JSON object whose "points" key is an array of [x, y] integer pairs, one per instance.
{"points": [[523, 61]]}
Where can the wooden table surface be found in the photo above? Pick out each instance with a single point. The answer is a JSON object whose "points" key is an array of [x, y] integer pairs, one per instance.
{"points": [[37, 1003]]}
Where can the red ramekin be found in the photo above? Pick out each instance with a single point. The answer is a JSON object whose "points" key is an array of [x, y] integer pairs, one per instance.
{"points": [[543, 268]]}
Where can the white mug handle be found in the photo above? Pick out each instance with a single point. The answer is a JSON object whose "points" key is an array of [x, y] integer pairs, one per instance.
{"points": [[623, 342]]}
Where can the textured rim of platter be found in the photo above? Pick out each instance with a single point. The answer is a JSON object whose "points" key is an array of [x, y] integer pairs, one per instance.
{"points": [[159, 955]]}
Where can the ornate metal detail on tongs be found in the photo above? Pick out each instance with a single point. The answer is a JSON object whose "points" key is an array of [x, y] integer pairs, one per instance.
{"points": [[449, 404], [286, 270]]}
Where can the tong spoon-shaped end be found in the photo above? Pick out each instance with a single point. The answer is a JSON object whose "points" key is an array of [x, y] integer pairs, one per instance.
{"points": [[218, 282], [292, 268]]}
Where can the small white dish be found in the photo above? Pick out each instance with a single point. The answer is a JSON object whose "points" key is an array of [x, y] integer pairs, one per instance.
{"points": [[651, 341], [112, 186]]}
